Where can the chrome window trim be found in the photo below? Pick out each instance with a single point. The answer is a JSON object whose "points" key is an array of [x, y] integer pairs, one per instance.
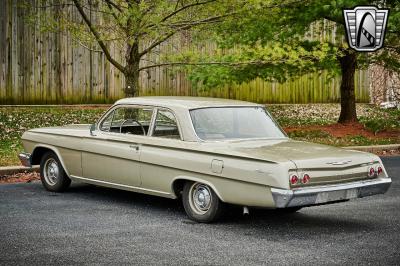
{"points": [[113, 108], [101, 125], [152, 121], [102, 117], [155, 119], [237, 139]]}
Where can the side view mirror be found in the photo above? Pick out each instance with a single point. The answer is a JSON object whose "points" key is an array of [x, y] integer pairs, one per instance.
{"points": [[92, 128]]}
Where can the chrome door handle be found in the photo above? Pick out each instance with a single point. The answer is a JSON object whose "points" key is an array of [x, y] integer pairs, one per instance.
{"points": [[134, 146]]}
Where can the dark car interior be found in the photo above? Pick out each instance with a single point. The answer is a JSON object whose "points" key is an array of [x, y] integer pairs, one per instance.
{"points": [[130, 126], [166, 131], [137, 122]]}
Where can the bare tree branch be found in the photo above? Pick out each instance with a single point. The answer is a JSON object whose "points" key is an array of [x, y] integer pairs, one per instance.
{"points": [[147, 10], [66, 5], [198, 22], [231, 64], [156, 43], [88, 48], [177, 11], [185, 7], [110, 6], [180, 27], [111, 3], [52, 5], [98, 38]]}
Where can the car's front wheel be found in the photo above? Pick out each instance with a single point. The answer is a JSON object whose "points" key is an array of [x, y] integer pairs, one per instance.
{"points": [[52, 173], [201, 203]]}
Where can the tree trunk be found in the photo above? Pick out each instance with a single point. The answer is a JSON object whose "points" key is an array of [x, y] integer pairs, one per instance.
{"points": [[132, 81], [132, 71], [348, 64]]}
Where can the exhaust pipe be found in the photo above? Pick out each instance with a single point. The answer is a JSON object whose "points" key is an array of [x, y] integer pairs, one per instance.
{"points": [[246, 210]]}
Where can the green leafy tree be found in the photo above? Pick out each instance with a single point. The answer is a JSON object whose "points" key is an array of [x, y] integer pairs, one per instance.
{"points": [[135, 26], [277, 40]]}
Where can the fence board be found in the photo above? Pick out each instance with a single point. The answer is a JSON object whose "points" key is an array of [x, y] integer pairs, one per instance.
{"points": [[38, 67]]}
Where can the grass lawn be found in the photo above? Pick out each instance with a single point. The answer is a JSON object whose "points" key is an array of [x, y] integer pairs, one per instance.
{"points": [[311, 122], [15, 120]]}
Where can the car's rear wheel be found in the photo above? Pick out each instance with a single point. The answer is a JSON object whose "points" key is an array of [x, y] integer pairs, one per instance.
{"points": [[201, 203], [52, 173]]}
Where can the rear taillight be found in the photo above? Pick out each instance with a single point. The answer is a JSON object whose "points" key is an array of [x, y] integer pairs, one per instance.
{"points": [[379, 170], [305, 179], [294, 179], [371, 172]]}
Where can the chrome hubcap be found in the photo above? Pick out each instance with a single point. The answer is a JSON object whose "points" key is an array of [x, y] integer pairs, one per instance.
{"points": [[200, 198], [51, 171]]}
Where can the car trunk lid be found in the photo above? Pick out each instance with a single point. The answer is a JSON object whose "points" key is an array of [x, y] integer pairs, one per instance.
{"points": [[324, 164]]}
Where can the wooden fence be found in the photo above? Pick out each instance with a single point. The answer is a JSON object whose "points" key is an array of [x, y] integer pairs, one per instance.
{"points": [[40, 67]]}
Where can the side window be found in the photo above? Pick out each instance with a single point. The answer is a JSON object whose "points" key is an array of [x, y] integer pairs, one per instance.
{"points": [[165, 125], [130, 120], [106, 124]]}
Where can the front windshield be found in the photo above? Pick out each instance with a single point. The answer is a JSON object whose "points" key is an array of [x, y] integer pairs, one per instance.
{"points": [[216, 123]]}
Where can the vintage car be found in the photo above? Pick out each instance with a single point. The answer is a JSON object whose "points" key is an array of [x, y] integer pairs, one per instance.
{"points": [[209, 152]]}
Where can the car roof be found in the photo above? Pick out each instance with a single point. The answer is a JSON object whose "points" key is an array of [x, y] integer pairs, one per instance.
{"points": [[185, 102]]}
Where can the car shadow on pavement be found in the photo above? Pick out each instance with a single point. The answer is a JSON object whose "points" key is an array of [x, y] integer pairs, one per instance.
{"points": [[306, 222], [302, 223], [117, 196]]}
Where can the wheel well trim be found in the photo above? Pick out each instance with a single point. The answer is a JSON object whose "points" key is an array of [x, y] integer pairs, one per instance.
{"points": [[53, 149], [195, 179]]}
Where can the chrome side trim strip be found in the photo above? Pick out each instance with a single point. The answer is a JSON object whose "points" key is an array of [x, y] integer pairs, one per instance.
{"points": [[148, 143], [125, 187]]}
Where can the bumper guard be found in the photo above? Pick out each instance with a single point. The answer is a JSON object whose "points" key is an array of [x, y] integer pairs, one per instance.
{"points": [[25, 159], [330, 193]]}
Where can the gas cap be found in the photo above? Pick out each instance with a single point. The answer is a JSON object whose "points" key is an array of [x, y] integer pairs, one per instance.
{"points": [[217, 166]]}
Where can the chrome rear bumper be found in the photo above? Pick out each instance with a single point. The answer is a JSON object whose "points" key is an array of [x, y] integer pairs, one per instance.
{"points": [[325, 194], [25, 159]]}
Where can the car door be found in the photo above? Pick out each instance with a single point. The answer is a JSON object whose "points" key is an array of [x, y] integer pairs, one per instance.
{"points": [[112, 153], [159, 161]]}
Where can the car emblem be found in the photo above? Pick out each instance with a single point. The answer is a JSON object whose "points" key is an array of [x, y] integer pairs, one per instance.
{"points": [[339, 162], [365, 27]]}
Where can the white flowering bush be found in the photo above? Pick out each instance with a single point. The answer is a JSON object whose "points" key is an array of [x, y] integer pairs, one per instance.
{"points": [[15, 120], [289, 115]]}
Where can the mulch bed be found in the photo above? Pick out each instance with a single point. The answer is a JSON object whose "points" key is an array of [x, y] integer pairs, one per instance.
{"points": [[25, 177], [388, 153]]}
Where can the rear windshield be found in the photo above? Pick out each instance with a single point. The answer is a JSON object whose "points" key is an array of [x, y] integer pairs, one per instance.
{"points": [[216, 123]]}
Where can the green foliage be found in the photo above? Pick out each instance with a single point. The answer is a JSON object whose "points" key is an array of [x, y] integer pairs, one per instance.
{"points": [[389, 122], [308, 134], [15, 121], [364, 141], [322, 137], [376, 125], [323, 114], [289, 38], [271, 62], [122, 22]]}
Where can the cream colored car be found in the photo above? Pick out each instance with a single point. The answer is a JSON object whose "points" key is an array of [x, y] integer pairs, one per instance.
{"points": [[209, 152]]}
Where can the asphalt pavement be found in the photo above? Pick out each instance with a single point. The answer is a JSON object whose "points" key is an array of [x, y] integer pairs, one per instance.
{"points": [[93, 225]]}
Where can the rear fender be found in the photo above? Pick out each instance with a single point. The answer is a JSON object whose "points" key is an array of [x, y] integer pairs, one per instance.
{"points": [[195, 179]]}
